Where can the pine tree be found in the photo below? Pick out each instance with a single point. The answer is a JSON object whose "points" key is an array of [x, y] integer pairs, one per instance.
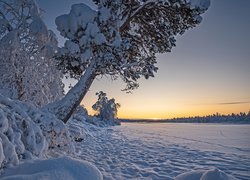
{"points": [[120, 39]]}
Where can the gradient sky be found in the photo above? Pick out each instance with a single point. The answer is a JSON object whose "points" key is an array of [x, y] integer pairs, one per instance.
{"points": [[208, 71]]}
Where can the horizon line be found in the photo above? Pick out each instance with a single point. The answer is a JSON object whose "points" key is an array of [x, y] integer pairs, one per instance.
{"points": [[156, 119]]}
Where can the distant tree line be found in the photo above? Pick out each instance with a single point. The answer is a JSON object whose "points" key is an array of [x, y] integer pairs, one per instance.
{"points": [[242, 117]]}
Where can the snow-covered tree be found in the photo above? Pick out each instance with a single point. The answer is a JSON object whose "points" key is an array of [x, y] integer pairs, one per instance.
{"points": [[106, 108], [120, 38], [27, 70]]}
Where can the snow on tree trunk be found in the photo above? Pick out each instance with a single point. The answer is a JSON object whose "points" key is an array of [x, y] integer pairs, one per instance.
{"points": [[65, 107]]}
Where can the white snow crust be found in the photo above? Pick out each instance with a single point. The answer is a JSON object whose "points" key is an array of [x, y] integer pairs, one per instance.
{"points": [[59, 168], [212, 174], [164, 151], [27, 133], [146, 151]]}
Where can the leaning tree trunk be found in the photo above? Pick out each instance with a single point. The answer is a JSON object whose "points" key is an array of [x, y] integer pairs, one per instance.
{"points": [[66, 106]]}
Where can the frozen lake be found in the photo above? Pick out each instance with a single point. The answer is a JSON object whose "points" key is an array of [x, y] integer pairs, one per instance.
{"points": [[165, 150]]}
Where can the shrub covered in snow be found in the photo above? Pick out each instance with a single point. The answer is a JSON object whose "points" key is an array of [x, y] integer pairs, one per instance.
{"points": [[27, 69], [26, 133], [106, 109]]}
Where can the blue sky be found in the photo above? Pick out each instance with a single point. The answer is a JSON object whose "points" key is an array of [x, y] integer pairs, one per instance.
{"points": [[207, 72]]}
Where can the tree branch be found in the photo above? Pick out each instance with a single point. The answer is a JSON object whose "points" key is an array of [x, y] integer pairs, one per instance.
{"points": [[135, 13]]}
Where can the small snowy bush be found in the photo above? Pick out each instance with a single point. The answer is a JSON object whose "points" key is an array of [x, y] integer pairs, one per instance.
{"points": [[27, 133], [106, 108]]}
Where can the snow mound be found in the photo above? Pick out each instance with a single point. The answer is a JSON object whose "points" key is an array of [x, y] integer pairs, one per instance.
{"points": [[97, 121], [60, 168], [76, 129], [211, 174], [80, 128], [27, 133], [80, 16]]}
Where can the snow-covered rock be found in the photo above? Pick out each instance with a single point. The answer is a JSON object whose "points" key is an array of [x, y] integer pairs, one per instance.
{"points": [[60, 168]]}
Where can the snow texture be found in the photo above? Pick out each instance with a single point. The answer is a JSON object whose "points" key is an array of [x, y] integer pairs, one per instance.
{"points": [[212, 174], [164, 151], [147, 151], [28, 133], [60, 168]]}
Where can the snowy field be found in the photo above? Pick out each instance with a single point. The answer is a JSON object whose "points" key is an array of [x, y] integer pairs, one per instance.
{"points": [[163, 151]]}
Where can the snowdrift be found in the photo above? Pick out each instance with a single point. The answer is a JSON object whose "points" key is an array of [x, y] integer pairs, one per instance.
{"points": [[28, 136], [60, 168], [27, 133]]}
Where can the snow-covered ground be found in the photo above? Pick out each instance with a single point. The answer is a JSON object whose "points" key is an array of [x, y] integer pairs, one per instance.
{"points": [[53, 169], [163, 151]]}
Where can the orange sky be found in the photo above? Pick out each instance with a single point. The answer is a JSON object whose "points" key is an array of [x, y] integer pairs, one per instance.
{"points": [[154, 101]]}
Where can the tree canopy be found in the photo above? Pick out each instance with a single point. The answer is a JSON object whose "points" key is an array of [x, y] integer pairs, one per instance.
{"points": [[124, 36]]}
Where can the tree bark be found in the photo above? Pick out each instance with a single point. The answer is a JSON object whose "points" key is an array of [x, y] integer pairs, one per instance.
{"points": [[64, 108]]}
